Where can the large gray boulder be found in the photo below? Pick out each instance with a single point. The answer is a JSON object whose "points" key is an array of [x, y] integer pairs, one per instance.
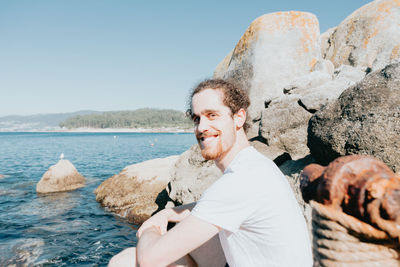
{"points": [[60, 177], [133, 192], [284, 126], [284, 120], [368, 38], [316, 90], [275, 49], [365, 119], [192, 176]]}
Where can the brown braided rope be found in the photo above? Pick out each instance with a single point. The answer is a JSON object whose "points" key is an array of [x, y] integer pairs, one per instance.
{"points": [[343, 240]]}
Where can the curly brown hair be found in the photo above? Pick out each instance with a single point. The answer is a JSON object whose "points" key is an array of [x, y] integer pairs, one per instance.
{"points": [[235, 98]]}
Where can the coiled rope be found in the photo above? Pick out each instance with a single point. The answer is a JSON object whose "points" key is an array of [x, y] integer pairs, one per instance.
{"points": [[343, 240]]}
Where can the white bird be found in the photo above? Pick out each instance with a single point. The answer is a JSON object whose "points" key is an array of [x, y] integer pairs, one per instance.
{"points": [[62, 156]]}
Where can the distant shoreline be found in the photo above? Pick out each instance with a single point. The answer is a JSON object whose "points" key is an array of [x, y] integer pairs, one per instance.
{"points": [[128, 130], [106, 130]]}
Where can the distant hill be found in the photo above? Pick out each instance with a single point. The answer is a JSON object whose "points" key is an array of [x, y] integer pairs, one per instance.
{"points": [[38, 122], [141, 118]]}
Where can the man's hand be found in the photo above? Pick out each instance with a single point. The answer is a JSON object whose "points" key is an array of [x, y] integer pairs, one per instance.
{"points": [[154, 249], [158, 221]]}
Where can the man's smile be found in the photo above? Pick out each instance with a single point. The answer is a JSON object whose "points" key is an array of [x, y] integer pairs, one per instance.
{"points": [[206, 139]]}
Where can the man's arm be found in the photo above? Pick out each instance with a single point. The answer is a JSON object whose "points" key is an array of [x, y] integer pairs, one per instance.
{"points": [[155, 249], [160, 219]]}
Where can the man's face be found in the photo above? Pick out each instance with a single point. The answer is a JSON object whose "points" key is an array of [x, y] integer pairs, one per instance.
{"points": [[215, 128]]}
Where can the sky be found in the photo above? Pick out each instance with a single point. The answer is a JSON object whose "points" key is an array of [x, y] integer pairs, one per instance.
{"points": [[64, 56]]}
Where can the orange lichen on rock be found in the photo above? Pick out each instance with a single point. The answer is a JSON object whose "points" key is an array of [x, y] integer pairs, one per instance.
{"points": [[395, 52], [248, 37], [312, 63], [279, 23], [372, 29], [359, 185]]}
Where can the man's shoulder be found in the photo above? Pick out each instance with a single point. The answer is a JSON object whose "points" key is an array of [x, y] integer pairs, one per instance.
{"points": [[250, 160]]}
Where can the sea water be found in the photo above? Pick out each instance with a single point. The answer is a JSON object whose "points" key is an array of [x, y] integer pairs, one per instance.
{"points": [[69, 228]]}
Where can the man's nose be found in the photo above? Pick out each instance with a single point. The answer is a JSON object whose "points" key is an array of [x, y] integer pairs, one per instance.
{"points": [[202, 125]]}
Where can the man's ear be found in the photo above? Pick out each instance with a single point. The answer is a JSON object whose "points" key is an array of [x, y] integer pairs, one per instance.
{"points": [[240, 118]]}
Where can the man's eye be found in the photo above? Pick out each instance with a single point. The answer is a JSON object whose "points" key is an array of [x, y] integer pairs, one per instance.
{"points": [[212, 115]]}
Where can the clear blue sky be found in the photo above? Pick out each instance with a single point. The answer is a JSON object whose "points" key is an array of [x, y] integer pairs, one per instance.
{"points": [[64, 56]]}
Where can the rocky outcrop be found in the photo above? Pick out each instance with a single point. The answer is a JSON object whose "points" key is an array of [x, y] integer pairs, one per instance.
{"points": [[368, 38], [274, 50], [292, 171], [365, 119], [289, 80], [278, 61], [294, 74], [60, 177], [192, 175], [133, 192], [284, 125]]}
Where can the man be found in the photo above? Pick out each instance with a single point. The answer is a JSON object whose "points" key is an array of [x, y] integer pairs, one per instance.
{"points": [[251, 207]]}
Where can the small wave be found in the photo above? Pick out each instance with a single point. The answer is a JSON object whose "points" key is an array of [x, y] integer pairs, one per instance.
{"points": [[11, 192], [60, 226], [22, 252], [50, 205]]}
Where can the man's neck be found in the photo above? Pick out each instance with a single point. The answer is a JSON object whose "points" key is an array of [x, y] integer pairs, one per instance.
{"points": [[240, 144]]}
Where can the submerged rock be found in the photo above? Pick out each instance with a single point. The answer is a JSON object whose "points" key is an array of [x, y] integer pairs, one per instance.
{"points": [[60, 177], [133, 192]]}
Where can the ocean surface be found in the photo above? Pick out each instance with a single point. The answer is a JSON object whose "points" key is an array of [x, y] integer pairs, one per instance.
{"points": [[70, 228]]}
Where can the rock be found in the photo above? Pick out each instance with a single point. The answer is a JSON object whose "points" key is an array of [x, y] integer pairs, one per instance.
{"points": [[60, 177], [274, 153], [368, 38], [223, 66], [311, 80], [325, 66], [365, 119], [284, 120], [132, 193], [348, 73], [284, 126], [325, 41], [315, 98], [276, 49], [292, 170], [193, 175]]}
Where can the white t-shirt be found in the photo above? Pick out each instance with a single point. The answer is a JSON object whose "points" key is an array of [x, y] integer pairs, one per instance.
{"points": [[261, 221]]}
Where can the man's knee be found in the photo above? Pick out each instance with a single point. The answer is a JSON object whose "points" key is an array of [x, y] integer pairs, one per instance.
{"points": [[127, 257], [210, 254]]}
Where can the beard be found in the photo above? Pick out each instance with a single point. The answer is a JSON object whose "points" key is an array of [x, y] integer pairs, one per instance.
{"points": [[211, 152]]}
